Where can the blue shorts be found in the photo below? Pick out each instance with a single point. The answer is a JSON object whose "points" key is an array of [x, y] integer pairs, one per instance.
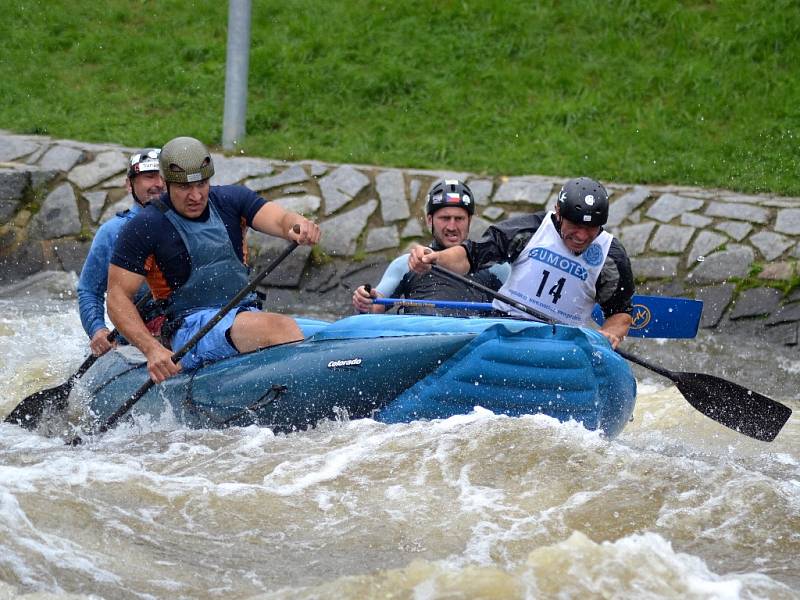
{"points": [[212, 346]]}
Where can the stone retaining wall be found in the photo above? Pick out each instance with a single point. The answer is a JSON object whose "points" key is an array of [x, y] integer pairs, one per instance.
{"points": [[738, 253]]}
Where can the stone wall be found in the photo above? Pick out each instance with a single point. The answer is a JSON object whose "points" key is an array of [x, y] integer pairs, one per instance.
{"points": [[738, 253]]}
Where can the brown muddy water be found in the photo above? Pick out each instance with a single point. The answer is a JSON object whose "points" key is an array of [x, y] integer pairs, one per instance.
{"points": [[476, 506]]}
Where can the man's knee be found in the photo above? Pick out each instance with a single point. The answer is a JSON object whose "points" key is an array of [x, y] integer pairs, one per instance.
{"points": [[252, 330]]}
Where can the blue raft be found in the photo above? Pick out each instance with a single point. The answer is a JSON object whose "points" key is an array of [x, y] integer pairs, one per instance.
{"points": [[393, 368]]}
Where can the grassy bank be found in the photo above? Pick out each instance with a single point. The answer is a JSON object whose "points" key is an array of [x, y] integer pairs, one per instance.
{"points": [[697, 93]]}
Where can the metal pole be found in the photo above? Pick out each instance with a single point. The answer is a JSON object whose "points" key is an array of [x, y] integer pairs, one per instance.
{"points": [[236, 66]]}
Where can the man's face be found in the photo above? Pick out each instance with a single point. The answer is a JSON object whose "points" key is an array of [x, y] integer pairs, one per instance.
{"points": [[189, 199], [578, 237], [450, 225], [147, 186]]}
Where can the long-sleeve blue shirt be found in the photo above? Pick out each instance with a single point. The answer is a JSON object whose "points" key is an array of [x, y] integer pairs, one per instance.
{"points": [[94, 275]]}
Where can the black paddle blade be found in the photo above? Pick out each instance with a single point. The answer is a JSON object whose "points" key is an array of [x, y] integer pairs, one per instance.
{"points": [[29, 411], [733, 406]]}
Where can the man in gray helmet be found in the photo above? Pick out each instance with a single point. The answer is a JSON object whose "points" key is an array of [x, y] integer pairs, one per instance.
{"points": [[190, 247], [562, 262], [144, 183]]}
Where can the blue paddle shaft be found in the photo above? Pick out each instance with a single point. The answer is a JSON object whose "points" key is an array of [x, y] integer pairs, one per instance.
{"points": [[653, 316], [434, 303]]}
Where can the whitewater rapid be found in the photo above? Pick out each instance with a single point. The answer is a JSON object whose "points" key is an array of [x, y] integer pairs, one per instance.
{"points": [[476, 506]]}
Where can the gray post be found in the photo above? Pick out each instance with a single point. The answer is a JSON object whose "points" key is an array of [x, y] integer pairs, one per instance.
{"points": [[236, 66]]}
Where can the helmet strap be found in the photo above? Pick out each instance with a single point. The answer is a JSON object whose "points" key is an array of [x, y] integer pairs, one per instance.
{"points": [[557, 221], [133, 191]]}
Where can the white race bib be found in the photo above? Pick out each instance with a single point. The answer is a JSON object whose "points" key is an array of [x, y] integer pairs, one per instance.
{"points": [[548, 277]]}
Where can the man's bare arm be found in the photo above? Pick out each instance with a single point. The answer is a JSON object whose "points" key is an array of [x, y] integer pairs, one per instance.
{"points": [[122, 287], [616, 328], [455, 259], [275, 220]]}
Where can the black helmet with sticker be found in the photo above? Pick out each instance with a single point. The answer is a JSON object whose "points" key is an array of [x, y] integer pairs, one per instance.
{"points": [[583, 201], [447, 193]]}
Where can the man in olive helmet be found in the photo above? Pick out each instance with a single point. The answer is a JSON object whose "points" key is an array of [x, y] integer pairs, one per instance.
{"points": [[144, 183], [190, 247], [562, 262], [449, 207]]}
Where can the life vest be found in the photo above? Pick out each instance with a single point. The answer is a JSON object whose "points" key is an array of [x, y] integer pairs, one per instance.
{"points": [[433, 286], [216, 274], [550, 278]]}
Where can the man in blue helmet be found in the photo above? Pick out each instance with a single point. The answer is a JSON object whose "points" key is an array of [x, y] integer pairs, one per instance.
{"points": [[449, 207], [144, 183], [562, 262]]}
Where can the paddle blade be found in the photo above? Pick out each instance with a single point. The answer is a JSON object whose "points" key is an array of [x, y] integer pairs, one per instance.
{"points": [[733, 406], [661, 317], [29, 411]]}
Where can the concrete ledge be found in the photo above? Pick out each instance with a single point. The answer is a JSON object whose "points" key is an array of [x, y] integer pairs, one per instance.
{"points": [[682, 240]]}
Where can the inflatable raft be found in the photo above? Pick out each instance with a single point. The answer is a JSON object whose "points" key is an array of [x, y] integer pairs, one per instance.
{"points": [[392, 368]]}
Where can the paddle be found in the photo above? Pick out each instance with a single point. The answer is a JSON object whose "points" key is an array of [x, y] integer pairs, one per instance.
{"points": [[503, 298], [29, 411], [658, 316], [661, 317], [137, 395], [727, 403], [454, 304]]}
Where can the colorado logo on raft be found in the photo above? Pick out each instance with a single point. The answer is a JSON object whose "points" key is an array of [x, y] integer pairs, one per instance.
{"points": [[350, 362], [641, 316]]}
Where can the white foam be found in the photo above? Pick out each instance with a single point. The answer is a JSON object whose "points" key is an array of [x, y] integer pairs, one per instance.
{"points": [[50, 548], [293, 477]]}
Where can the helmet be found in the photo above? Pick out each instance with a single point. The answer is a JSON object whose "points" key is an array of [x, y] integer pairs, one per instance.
{"points": [[143, 161], [583, 201], [450, 192], [185, 160]]}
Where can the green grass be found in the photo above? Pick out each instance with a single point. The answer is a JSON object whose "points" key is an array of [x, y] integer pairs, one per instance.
{"points": [[653, 91]]}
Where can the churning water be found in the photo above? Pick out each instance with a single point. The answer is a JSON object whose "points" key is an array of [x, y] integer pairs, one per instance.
{"points": [[476, 506]]}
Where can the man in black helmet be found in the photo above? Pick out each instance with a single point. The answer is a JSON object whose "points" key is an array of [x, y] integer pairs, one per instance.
{"points": [[144, 183], [190, 246], [563, 262], [449, 207]]}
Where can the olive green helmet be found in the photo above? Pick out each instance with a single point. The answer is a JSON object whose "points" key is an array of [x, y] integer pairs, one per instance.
{"points": [[185, 160]]}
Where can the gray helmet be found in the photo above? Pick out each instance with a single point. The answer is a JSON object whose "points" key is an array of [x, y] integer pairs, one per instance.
{"points": [[450, 192], [143, 161], [583, 201], [185, 160]]}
